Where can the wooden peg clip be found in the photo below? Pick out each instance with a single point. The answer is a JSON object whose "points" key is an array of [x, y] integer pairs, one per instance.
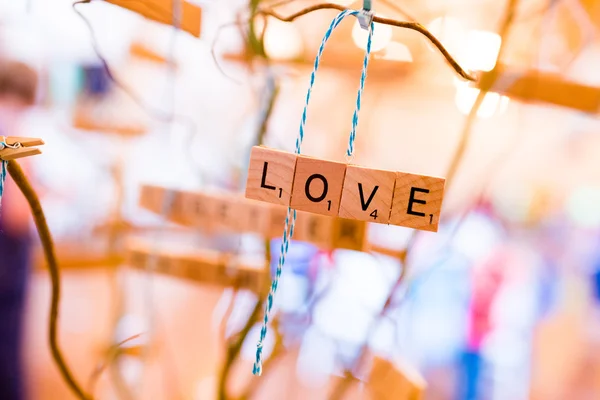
{"points": [[535, 86], [163, 11], [19, 147], [389, 381]]}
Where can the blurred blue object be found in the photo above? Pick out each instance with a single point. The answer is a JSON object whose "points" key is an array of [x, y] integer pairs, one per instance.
{"points": [[548, 287], [470, 373], [66, 81], [596, 282], [298, 259], [97, 81]]}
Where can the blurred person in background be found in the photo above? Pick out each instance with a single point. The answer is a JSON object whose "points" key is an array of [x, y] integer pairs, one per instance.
{"points": [[18, 85]]}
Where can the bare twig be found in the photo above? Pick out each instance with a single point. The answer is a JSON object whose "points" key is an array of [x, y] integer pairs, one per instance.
{"points": [[50, 254], [415, 26], [258, 48], [234, 348], [467, 130], [262, 131], [111, 354], [275, 356], [214, 46], [235, 345]]}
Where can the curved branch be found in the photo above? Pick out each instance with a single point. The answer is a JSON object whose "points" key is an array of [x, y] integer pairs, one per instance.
{"points": [[49, 252], [415, 26], [234, 346]]}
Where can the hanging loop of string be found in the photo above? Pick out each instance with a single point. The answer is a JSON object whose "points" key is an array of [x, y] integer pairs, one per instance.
{"points": [[290, 219], [361, 87]]}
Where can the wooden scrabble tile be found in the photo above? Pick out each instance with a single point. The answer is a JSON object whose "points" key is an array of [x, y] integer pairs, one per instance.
{"points": [[204, 266], [250, 278], [255, 217], [162, 11], [165, 202], [367, 194], [349, 234], [142, 51], [227, 212], [314, 228], [277, 221], [388, 381], [175, 211], [225, 273], [417, 201], [199, 209], [151, 197], [318, 185], [166, 263], [134, 258], [270, 175]]}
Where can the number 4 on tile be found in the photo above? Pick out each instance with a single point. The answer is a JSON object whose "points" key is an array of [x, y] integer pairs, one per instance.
{"points": [[367, 194]]}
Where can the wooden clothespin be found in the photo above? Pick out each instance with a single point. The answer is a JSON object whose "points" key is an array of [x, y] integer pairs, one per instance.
{"points": [[392, 381], [13, 147], [165, 12]]}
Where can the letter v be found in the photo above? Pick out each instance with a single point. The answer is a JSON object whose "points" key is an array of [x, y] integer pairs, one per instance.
{"points": [[362, 197]]}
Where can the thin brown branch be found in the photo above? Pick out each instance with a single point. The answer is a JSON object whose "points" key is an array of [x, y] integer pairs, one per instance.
{"points": [[49, 252], [111, 355], [235, 345], [276, 354], [264, 124], [467, 130], [415, 26], [213, 52]]}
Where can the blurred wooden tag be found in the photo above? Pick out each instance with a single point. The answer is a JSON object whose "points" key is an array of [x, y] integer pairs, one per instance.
{"points": [[313, 228], [162, 11], [276, 221], [151, 197], [349, 234], [541, 87], [255, 216], [204, 266], [388, 381], [168, 202], [234, 213], [228, 212], [141, 51], [198, 209], [111, 114], [176, 212]]}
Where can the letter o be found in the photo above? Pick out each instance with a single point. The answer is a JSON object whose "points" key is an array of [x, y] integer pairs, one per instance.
{"points": [[307, 188]]}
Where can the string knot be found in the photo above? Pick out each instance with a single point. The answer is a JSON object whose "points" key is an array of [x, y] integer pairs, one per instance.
{"points": [[365, 18]]}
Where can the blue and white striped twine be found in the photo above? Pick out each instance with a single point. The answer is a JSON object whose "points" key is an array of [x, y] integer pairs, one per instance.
{"points": [[288, 230], [2, 174]]}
